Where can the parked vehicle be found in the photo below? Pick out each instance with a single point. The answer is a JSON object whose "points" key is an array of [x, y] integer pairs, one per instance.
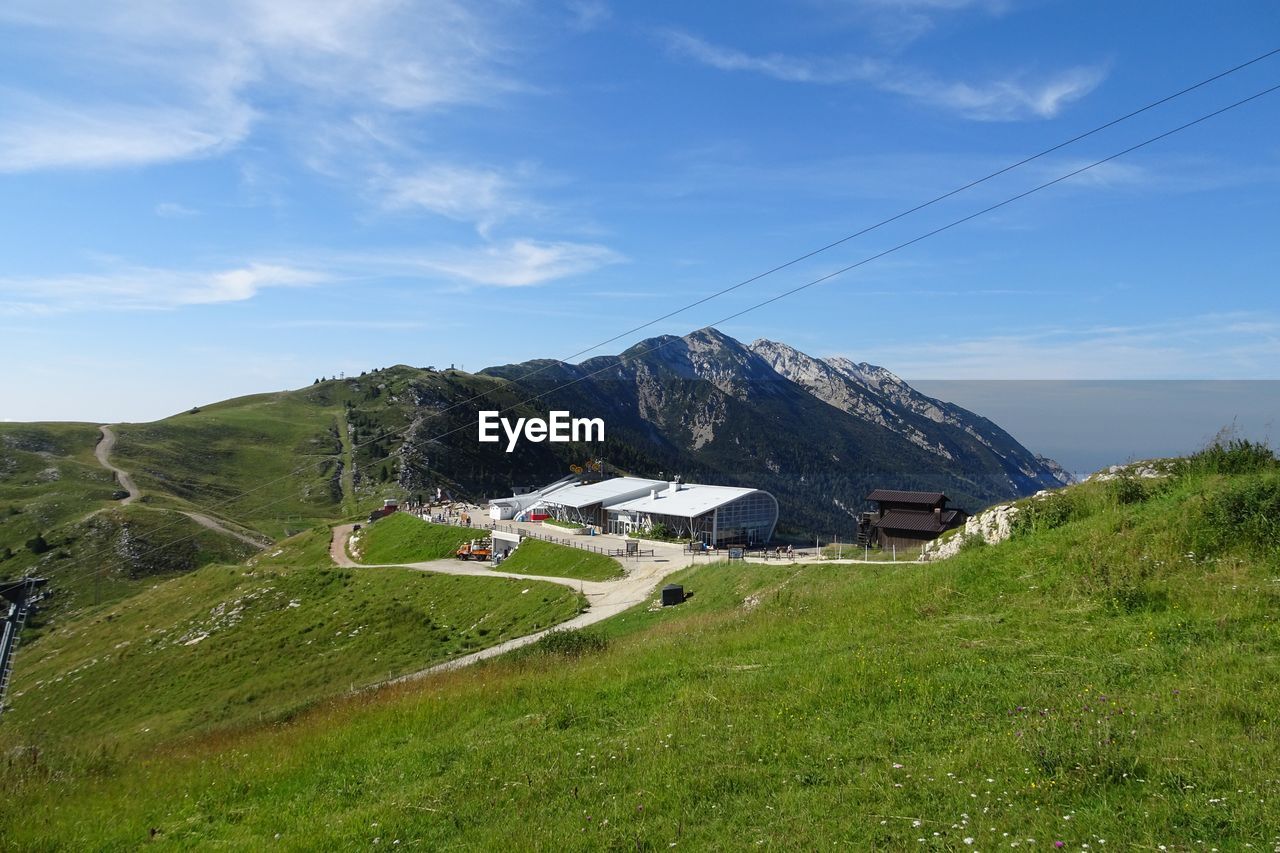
{"points": [[476, 549]]}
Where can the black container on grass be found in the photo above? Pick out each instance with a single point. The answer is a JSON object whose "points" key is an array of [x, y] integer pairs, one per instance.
{"points": [[672, 593]]}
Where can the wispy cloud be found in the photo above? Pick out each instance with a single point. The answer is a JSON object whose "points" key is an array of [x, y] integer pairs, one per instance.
{"points": [[901, 21], [779, 66], [376, 325], [587, 15], [148, 288], [174, 210], [515, 263], [483, 197], [40, 134], [208, 66], [121, 287], [1018, 96]]}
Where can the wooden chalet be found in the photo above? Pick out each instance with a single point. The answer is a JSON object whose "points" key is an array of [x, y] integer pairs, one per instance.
{"points": [[907, 519]]}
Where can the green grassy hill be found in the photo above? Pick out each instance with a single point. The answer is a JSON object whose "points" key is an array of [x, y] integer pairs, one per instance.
{"points": [[226, 646], [402, 538], [535, 557], [1107, 677], [92, 549], [119, 552], [273, 462], [48, 478]]}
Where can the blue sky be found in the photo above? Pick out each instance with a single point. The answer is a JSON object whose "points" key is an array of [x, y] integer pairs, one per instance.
{"points": [[203, 200]]}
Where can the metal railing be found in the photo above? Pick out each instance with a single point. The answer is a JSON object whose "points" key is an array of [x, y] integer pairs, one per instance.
{"points": [[555, 540]]}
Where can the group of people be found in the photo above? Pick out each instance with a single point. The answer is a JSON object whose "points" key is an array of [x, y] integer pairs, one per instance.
{"points": [[445, 515]]}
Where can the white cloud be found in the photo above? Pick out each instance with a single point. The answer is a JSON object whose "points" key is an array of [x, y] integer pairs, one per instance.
{"points": [[480, 196], [1019, 96], [165, 81], [1013, 98], [587, 15], [516, 263], [902, 21], [776, 65], [174, 210], [39, 134], [148, 288]]}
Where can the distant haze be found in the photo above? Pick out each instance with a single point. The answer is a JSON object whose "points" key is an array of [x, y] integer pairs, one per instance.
{"points": [[1086, 425]]}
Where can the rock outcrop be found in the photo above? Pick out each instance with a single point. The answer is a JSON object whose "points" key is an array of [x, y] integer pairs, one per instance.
{"points": [[991, 526]]}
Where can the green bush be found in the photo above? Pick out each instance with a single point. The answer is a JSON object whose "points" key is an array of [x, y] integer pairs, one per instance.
{"points": [[1243, 513], [571, 644], [37, 544], [1228, 456], [1127, 490], [1053, 511]]}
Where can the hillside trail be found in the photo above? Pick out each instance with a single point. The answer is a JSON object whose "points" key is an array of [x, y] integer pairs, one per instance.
{"points": [[103, 453], [604, 598]]}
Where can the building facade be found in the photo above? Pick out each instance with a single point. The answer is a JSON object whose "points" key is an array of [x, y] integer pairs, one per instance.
{"points": [[907, 519], [715, 515]]}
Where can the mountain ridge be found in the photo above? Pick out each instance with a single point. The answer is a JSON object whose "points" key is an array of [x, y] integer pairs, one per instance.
{"points": [[767, 414]]}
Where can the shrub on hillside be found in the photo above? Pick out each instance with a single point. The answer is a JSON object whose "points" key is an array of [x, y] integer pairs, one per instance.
{"points": [[1228, 456], [1128, 490], [1245, 512], [1053, 511], [571, 644]]}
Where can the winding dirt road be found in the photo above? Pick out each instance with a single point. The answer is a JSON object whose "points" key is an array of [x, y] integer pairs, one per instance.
{"points": [[103, 452], [604, 598]]}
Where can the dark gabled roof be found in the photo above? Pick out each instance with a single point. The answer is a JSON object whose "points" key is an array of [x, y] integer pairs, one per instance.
{"points": [[929, 498], [921, 522]]}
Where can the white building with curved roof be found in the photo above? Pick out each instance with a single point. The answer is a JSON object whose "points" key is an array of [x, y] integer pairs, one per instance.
{"points": [[716, 515]]}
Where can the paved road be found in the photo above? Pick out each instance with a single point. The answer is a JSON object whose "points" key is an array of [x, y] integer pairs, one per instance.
{"points": [[604, 598], [103, 452]]}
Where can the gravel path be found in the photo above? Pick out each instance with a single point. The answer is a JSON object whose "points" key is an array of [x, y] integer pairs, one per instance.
{"points": [[103, 453], [604, 598]]}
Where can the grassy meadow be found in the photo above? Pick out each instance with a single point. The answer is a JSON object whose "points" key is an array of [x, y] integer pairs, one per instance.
{"points": [[48, 478], [403, 538], [271, 461], [1109, 677], [226, 646], [117, 552], [535, 557]]}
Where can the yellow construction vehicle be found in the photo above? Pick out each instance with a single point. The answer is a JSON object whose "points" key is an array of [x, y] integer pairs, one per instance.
{"points": [[476, 549]]}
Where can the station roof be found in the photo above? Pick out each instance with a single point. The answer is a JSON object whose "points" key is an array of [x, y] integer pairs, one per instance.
{"points": [[692, 499], [930, 498], [605, 492], [924, 522]]}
